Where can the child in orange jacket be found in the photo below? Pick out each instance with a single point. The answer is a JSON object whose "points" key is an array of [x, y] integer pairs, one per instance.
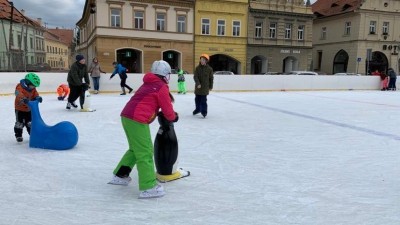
{"points": [[62, 91], [25, 91]]}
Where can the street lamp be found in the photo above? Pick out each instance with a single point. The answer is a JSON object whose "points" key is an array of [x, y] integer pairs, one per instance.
{"points": [[10, 35]]}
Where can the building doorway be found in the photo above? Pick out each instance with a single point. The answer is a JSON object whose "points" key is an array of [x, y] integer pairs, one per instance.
{"points": [[259, 65], [131, 59], [340, 62], [220, 62], [378, 62], [173, 58], [290, 64]]}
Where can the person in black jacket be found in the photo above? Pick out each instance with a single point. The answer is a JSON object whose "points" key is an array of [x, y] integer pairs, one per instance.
{"points": [[392, 79], [78, 72]]}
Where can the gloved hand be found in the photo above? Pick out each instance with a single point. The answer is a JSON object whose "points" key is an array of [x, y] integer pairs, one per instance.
{"points": [[85, 86], [25, 100], [176, 117], [39, 99]]}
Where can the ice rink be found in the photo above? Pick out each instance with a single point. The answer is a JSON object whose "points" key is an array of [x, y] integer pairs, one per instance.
{"points": [[267, 158]]}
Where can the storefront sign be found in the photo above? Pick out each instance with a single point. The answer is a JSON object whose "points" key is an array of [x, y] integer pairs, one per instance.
{"points": [[288, 51], [152, 46]]}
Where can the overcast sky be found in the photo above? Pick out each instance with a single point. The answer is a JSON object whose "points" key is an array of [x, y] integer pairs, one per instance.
{"points": [[55, 13]]}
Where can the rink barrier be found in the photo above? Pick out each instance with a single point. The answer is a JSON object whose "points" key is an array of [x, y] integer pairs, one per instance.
{"points": [[50, 82]]}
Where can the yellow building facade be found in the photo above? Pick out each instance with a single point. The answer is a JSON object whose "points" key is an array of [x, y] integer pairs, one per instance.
{"points": [[57, 54], [221, 32]]}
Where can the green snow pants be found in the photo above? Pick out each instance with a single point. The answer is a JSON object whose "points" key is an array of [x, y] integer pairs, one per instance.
{"points": [[181, 87], [140, 152]]}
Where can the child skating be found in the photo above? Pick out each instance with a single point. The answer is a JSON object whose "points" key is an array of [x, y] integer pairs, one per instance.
{"points": [[25, 91], [138, 113], [181, 82]]}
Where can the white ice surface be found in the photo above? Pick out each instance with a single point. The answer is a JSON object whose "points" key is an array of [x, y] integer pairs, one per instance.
{"points": [[258, 158]]}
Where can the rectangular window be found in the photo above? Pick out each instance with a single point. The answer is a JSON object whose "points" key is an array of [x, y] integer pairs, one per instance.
{"points": [[288, 31], [221, 27], [323, 33], [272, 30], [31, 42], [160, 21], [236, 29], [258, 29], [139, 20], [181, 24], [116, 17], [372, 27], [300, 33], [347, 28], [385, 28], [205, 26], [19, 40]]}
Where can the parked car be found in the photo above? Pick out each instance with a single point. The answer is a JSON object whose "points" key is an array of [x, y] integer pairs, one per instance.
{"points": [[38, 67], [223, 73], [302, 73], [271, 73], [347, 74]]}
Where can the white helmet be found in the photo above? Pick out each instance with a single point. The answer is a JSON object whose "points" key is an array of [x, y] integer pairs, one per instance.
{"points": [[161, 68]]}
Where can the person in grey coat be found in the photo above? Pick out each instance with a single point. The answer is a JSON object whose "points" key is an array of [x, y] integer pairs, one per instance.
{"points": [[77, 72], [204, 81], [95, 71]]}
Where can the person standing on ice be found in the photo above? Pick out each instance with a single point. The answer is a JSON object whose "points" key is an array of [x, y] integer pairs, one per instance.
{"points": [[181, 82], [25, 91], [77, 72], [138, 113], [95, 71], [118, 68], [204, 80]]}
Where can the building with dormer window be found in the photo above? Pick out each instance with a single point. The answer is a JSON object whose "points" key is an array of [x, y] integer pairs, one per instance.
{"points": [[358, 36]]}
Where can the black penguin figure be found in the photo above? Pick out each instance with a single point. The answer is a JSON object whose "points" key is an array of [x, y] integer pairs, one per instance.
{"points": [[166, 152]]}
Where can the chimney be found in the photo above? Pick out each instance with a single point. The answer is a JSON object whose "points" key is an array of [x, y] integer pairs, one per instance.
{"points": [[39, 20], [23, 12]]}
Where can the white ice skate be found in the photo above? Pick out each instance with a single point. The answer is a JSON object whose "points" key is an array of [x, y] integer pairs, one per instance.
{"points": [[155, 192], [120, 181]]}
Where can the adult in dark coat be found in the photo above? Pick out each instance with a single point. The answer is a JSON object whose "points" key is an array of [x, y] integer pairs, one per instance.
{"points": [[204, 81], [78, 72], [392, 79]]}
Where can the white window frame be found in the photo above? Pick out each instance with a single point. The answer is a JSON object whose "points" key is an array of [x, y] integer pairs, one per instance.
{"points": [[236, 28], [372, 27], [221, 25], [161, 22], [300, 32], [115, 19], [138, 21], [385, 27], [288, 31], [258, 29], [323, 33], [181, 25], [347, 28], [205, 26], [272, 30]]}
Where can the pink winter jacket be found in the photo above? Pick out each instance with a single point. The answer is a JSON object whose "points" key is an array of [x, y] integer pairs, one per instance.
{"points": [[148, 99]]}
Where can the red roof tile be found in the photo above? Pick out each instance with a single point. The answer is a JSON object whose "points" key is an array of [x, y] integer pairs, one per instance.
{"points": [[18, 17], [66, 35], [333, 7]]}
